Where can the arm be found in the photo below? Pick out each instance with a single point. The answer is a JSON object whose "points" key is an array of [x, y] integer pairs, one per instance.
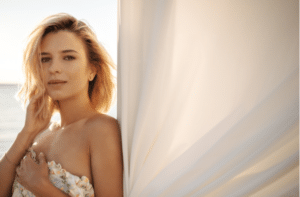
{"points": [[32, 127], [8, 168], [106, 158]]}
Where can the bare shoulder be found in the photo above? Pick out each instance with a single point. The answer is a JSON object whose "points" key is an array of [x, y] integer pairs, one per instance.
{"points": [[105, 149], [102, 127], [102, 123]]}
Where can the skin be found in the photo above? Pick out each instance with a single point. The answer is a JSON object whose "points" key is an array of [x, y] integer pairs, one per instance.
{"points": [[86, 143]]}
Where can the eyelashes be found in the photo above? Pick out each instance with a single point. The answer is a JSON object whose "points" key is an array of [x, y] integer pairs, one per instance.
{"points": [[69, 58], [45, 59], [48, 59]]}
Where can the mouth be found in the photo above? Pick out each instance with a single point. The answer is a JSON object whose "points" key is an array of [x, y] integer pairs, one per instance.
{"points": [[54, 82]]}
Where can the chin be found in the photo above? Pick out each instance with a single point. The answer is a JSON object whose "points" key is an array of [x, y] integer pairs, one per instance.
{"points": [[56, 96]]}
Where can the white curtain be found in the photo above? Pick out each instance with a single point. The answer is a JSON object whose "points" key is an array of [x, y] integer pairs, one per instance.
{"points": [[208, 97]]}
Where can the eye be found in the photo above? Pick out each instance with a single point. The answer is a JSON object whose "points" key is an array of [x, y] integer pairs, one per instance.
{"points": [[45, 59], [69, 58]]}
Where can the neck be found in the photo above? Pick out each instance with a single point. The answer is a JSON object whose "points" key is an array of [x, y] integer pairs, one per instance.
{"points": [[74, 109]]}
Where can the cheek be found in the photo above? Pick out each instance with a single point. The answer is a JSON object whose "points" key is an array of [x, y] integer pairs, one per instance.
{"points": [[79, 77], [44, 77]]}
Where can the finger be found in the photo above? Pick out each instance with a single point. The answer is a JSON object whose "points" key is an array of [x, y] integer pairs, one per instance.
{"points": [[18, 170], [21, 163], [29, 155], [27, 160], [17, 178], [25, 157], [24, 160], [42, 158], [38, 93], [35, 97]]}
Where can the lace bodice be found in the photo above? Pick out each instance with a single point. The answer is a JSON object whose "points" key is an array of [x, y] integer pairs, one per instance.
{"points": [[60, 178]]}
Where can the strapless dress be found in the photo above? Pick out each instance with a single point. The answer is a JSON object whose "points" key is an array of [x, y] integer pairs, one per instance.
{"points": [[60, 178]]}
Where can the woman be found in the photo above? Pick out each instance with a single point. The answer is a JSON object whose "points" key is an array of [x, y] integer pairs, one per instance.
{"points": [[67, 71]]}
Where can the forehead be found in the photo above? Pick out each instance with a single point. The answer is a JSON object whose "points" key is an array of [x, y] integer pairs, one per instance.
{"points": [[62, 40]]}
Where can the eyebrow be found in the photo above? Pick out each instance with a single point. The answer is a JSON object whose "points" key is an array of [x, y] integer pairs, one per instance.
{"points": [[69, 50], [64, 51]]}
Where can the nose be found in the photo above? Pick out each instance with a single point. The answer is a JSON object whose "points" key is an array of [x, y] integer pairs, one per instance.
{"points": [[55, 66]]}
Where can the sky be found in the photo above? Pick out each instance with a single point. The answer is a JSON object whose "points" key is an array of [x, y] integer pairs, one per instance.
{"points": [[18, 18]]}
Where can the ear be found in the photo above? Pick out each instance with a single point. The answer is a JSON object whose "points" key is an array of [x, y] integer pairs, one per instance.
{"points": [[93, 72]]}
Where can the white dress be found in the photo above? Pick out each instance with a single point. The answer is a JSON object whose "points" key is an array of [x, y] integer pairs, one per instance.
{"points": [[60, 178]]}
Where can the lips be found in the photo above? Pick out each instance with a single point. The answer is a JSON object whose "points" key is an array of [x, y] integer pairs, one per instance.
{"points": [[52, 82]]}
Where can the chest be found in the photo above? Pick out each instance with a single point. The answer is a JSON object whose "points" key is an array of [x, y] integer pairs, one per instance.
{"points": [[67, 147]]}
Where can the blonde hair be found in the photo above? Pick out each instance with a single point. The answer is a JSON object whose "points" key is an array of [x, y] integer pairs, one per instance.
{"points": [[101, 89]]}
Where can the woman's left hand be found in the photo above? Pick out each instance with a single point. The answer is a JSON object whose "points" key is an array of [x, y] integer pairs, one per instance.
{"points": [[31, 174]]}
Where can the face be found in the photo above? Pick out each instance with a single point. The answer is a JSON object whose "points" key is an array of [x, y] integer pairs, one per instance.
{"points": [[65, 65]]}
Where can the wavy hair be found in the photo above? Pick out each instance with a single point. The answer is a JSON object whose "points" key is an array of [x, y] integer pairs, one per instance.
{"points": [[101, 89]]}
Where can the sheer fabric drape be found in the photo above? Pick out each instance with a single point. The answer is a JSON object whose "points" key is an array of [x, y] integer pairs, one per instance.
{"points": [[208, 97]]}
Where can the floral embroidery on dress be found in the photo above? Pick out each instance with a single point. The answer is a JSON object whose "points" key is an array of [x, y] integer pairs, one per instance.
{"points": [[60, 178]]}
